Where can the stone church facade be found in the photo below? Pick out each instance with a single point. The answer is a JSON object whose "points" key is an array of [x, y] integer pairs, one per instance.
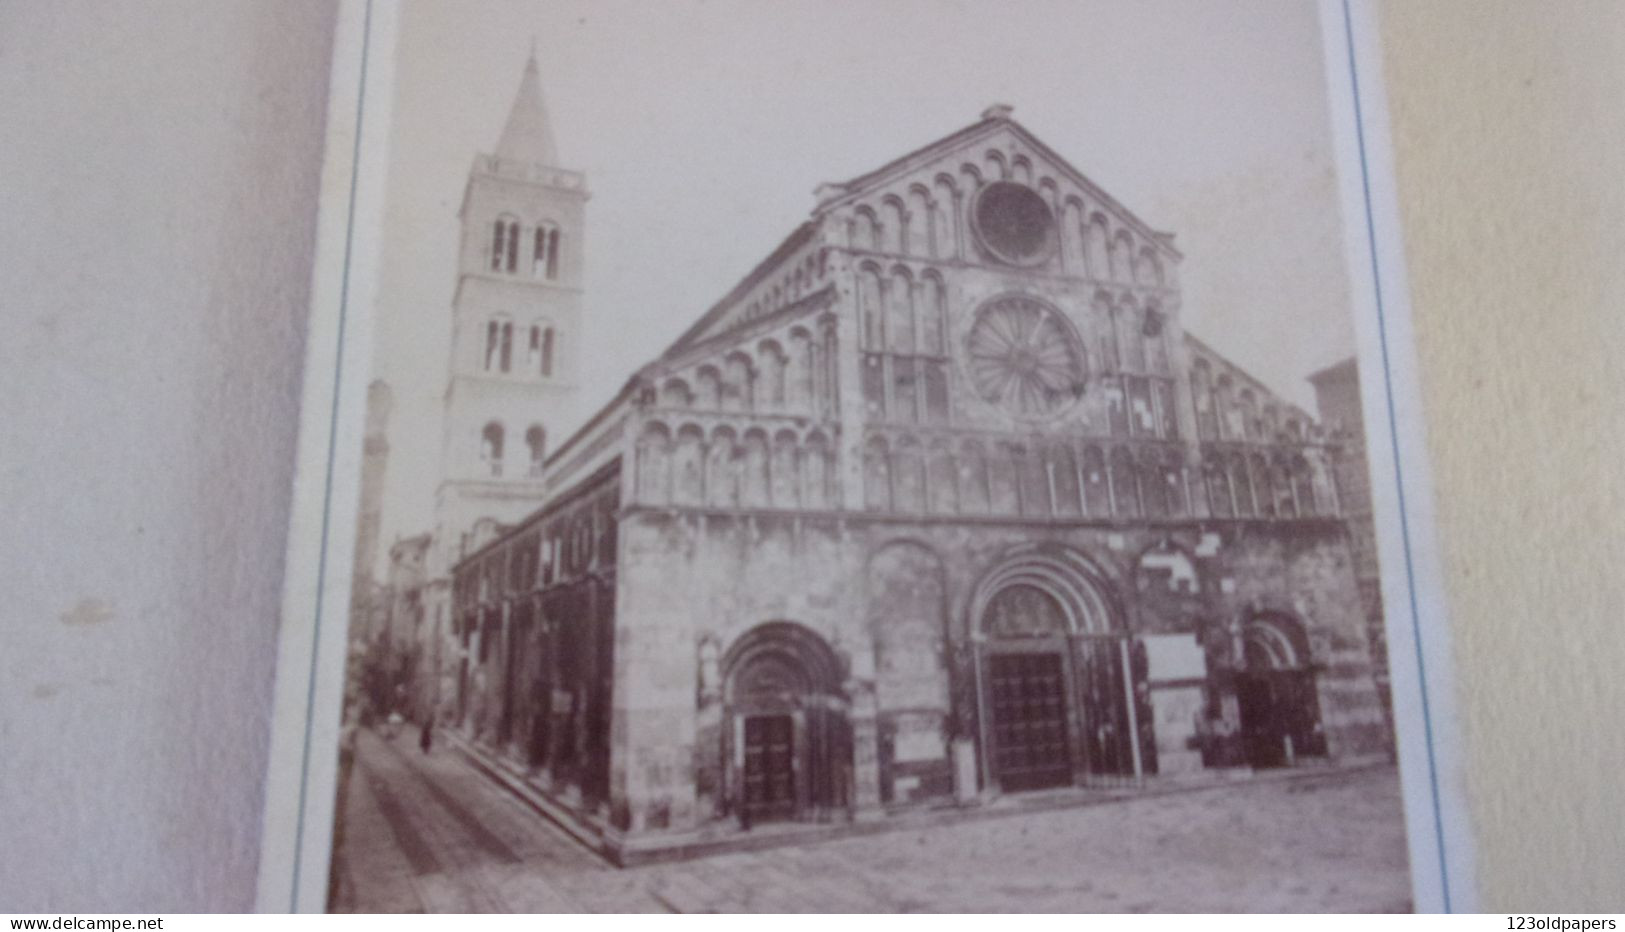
{"points": [[940, 503]]}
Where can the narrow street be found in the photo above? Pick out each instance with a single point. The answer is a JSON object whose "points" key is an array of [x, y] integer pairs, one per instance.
{"points": [[430, 833]]}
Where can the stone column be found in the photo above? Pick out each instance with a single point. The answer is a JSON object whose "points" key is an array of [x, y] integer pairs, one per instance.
{"points": [[710, 789], [865, 752]]}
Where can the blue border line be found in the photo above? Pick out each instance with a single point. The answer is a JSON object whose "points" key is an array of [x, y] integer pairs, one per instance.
{"points": [[1393, 433], [332, 445]]}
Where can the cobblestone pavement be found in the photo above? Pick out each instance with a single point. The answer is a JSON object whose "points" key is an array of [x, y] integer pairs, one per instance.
{"points": [[430, 833]]}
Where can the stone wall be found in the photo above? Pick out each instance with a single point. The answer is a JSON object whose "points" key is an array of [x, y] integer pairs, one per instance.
{"points": [[895, 599]]}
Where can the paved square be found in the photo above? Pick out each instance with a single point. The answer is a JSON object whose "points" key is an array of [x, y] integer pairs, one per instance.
{"points": [[430, 833]]}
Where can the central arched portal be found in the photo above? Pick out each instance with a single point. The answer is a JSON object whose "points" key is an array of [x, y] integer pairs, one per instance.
{"points": [[1056, 678], [791, 744], [1028, 687]]}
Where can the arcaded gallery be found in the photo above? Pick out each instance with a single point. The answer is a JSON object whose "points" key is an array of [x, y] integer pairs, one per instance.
{"points": [[939, 505]]}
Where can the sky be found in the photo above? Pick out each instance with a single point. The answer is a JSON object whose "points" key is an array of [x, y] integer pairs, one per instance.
{"points": [[703, 127]]}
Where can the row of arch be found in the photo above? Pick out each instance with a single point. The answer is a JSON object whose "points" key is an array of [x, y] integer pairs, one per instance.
{"points": [[1226, 412], [1060, 480], [540, 343], [493, 450], [929, 221], [902, 313], [1078, 606], [724, 467], [1240, 485], [1136, 338], [797, 281], [971, 477], [533, 251], [727, 469], [794, 376], [560, 547]]}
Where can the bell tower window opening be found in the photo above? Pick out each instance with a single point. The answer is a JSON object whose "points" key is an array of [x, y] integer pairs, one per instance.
{"points": [[506, 360], [493, 343], [505, 245], [547, 352], [536, 444], [491, 449], [533, 354], [545, 253]]}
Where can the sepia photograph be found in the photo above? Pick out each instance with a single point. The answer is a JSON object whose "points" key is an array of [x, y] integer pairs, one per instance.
{"points": [[865, 457]]}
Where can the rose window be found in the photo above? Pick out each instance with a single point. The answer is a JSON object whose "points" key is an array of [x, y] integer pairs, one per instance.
{"points": [[1025, 357], [1013, 222]]}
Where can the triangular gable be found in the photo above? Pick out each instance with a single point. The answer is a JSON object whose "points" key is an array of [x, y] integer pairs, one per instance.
{"points": [[723, 315], [994, 120]]}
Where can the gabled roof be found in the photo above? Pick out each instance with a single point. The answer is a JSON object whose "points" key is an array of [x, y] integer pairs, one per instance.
{"points": [[797, 238], [833, 196], [1202, 347], [994, 119]]}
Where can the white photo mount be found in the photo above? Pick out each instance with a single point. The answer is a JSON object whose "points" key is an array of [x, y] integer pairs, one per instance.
{"points": [[300, 782]]}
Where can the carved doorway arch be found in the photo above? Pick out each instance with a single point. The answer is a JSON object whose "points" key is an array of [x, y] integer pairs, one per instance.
{"points": [[1057, 677], [788, 743], [1276, 693]]}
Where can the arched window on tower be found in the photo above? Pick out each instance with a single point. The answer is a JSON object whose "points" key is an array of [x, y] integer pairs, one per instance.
{"points": [[505, 244], [533, 351], [493, 344], [506, 361], [539, 253], [491, 449], [536, 444], [547, 352], [553, 245]]}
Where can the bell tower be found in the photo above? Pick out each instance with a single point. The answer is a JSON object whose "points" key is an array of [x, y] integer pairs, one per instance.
{"points": [[516, 324]]}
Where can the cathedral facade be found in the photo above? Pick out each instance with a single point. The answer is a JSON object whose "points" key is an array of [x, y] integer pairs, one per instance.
{"points": [[940, 503]]}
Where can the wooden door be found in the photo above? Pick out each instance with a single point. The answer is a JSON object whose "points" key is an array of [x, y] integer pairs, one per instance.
{"points": [[770, 772], [1030, 747], [1279, 710]]}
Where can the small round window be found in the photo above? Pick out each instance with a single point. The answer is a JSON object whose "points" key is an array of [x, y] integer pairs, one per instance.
{"points": [[1014, 223]]}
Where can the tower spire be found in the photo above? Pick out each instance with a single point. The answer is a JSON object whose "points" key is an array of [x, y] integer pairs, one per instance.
{"points": [[528, 135]]}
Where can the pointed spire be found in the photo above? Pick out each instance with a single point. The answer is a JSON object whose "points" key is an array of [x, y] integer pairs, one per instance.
{"points": [[528, 135]]}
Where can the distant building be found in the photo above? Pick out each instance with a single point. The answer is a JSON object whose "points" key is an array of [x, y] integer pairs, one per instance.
{"points": [[365, 595], [406, 629], [1337, 395], [939, 503]]}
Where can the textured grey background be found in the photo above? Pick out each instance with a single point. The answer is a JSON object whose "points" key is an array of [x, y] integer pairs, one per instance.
{"points": [[157, 190], [157, 209], [1509, 131]]}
